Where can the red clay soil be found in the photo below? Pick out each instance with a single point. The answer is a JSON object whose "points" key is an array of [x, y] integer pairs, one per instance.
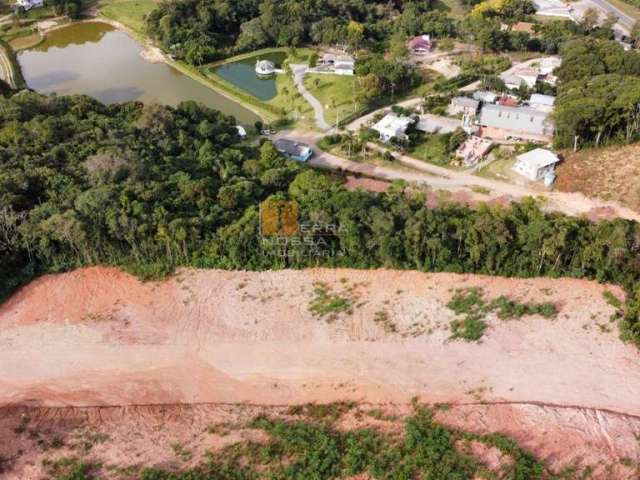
{"points": [[565, 388]]}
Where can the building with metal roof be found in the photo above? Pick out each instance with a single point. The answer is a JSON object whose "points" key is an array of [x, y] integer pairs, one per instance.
{"points": [[505, 122]]}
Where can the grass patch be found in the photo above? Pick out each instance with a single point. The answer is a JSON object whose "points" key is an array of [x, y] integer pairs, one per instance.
{"points": [[336, 93], [470, 304], [433, 149], [26, 41], [328, 305], [130, 13]]}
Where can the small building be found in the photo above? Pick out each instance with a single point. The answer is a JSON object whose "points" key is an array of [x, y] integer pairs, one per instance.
{"points": [[524, 27], [463, 105], [28, 4], [242, 133], [515, 79], [536, 164], [344, 65], [420, 44], [508, 100], [297, 151], [393, 126], [485, 96], [265, 67], [515, 123], [473, 150], [544, 103]]}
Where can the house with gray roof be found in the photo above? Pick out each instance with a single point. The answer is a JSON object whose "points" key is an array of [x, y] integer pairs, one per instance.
{"points": [[502, 122], [463, 105]]}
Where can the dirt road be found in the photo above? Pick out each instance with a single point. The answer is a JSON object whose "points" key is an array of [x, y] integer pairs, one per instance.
{"points": [[440, 178]]}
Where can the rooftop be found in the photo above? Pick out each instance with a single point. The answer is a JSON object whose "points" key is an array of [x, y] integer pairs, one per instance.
{"points": [[519, 119], [540, 99], [291, 147], [538, 158], [394, 123], [465, 102]]}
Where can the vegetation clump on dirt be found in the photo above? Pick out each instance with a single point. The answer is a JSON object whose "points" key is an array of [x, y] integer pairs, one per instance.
{"points": [[474, 308], [314, 447]]}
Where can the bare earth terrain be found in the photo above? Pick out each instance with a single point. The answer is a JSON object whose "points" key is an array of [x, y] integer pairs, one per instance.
{"points": [[607, 173], [148, 364]]}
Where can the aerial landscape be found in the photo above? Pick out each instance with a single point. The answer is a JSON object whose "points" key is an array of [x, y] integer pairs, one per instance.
{"points": [[319, 239]]}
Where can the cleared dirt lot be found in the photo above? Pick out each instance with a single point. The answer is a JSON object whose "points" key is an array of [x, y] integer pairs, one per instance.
{"points": [[567, 388], [607, 173]]}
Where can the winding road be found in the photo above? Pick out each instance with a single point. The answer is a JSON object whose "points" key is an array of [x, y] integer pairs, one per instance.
{"points": [[299, 70]]}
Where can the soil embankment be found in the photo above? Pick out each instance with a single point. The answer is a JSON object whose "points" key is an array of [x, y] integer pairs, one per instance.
{"points": [[99, 344]]}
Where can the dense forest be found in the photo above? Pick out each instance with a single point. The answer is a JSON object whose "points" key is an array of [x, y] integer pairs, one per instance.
{"points": [[599, 94], [148, 188], [202, 31]]}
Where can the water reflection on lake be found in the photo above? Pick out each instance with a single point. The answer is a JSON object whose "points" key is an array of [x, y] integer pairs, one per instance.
{"points": [[95, 59]]}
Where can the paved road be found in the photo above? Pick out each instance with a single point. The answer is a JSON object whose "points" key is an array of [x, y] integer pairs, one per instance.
{"points": [[440, 178], [318, 110], [623, 18]]}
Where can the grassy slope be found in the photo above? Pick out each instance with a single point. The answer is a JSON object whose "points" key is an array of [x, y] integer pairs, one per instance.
{"points": [[333, 88], [128, 12]]}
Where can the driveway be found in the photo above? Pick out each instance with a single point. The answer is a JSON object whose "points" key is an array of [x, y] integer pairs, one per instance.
{"points": [[299, 71], [441, 178]]}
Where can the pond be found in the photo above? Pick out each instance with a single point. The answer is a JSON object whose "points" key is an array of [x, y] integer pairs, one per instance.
{"points": [[94, 58], [243, 74]]}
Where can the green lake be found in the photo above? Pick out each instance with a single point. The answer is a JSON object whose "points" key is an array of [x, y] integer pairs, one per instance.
{"points": [[243, 74], [95, 59]]}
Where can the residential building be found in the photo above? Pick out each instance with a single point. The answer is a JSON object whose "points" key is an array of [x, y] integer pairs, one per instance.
{"points": [[297, 151], [421, 44], [463, 105], [473, 150], [485, 96], [512, 123], [393, 126], [515, 79], [544, 103], [524, 27], [28, 4], [337, 64], [536, 164], [344, 65]]}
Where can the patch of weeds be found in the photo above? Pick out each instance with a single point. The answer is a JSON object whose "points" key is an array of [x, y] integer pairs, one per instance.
{"points": [[181, 451], [71, 468], [474, 308], [381, 415], [322, 411], [328, 305], [611, 299], [381, 317], [508, 309]]}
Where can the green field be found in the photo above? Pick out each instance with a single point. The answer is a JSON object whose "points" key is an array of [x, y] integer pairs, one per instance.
{"points": [[128, 12], [432, 149], [335, 92], [26, 41]]}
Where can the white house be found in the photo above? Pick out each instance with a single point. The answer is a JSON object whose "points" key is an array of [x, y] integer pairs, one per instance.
{"points": [[344, 65], [392, 126], [527, 76], [485, 96], [534, 165], [265, 67], [29, 4], [543, 103]]}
